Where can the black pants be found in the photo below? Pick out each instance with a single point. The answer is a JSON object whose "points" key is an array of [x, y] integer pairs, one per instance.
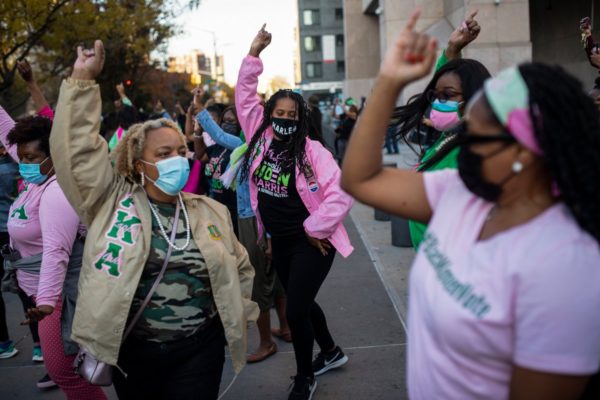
{"points": [[188, 369], [3, 328], [25, 300], [27, 304], [302, 269]]}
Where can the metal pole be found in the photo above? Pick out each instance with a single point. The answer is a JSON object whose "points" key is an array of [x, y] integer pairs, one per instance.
{"points": [[215, 52]]}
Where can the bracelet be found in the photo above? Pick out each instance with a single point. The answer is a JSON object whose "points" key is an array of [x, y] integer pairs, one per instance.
{"points": [[197, 135]]}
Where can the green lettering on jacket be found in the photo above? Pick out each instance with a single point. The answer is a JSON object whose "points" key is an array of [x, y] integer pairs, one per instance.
{"points": [[110, 259], [125, 225]]}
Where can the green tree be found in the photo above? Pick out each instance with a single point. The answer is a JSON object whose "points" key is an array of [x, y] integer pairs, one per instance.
{"points": [[48, 32]]}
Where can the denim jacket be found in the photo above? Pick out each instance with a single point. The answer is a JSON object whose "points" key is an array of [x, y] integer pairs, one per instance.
{"points": [[9, 172], [230, 142]]}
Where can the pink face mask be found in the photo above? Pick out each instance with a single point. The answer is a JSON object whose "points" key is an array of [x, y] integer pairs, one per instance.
{"points": [[444, 116]]}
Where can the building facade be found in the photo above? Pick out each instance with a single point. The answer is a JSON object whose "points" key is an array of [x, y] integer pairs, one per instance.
{"points": [[202, 67], [513, 31], [321, 41]]}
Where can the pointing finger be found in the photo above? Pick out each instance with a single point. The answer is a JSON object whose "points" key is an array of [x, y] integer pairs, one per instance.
{"points": [[263, 27], [99, 49], [412, 20], [472, 15]]}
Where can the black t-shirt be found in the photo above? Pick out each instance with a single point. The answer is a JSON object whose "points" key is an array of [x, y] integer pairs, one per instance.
{"points": [[281, 208], [346, 127], [218, 160]]}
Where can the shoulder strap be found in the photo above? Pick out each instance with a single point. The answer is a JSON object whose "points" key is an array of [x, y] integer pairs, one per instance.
{"points": [[158, 278]]}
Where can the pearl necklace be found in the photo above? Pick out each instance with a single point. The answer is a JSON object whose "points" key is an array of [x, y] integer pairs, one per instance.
{"points": [[162, 228]]}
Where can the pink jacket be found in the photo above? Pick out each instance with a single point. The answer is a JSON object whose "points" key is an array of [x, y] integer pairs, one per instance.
{"points": [[326, 202]]}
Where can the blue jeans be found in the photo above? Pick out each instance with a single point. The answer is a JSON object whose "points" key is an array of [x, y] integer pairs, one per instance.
{"points": [[391, 144]]}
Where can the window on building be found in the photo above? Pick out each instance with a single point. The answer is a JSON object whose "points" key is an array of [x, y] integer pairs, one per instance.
{"points": [[311, 17], [339, 14], [314, 70], [312, 43], [339, 40], [341, 67]]}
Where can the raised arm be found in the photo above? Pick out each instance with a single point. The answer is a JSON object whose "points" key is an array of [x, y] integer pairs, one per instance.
{"points": [[400, 192], [247, 101], [6, 124], [464, 34], [123, 96], [41, 105], [217, 134], [83, 168]]}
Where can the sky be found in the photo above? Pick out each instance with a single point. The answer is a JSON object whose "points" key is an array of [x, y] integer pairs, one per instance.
{"points": [[235, 23]]}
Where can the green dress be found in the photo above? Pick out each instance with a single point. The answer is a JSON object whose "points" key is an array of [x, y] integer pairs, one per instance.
{"points": [[417, 229]]}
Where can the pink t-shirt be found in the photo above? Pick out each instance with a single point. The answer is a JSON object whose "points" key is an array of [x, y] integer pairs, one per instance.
{"points": [[528, 296], [41, 220]]}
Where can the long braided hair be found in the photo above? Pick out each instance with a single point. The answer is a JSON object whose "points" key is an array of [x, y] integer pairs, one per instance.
{"points": [[296, 145], [568, 132]]}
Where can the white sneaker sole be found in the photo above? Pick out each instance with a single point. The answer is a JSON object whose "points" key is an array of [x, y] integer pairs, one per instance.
{"points": [[37, 359], [9, 355], [333, 365], [46, 385], [312, 391]]}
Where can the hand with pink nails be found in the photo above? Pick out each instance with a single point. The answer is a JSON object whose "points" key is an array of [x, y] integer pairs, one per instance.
{"points": [[411, 57]]}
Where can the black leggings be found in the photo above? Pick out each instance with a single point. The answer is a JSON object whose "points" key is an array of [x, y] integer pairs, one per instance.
{"points": [[302, 269], [3, 329]]}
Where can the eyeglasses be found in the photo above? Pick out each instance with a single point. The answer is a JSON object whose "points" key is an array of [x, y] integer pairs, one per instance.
{"points": [[442, 96]]}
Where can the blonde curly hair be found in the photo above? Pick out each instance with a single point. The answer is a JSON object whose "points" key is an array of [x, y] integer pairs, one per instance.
{"points": [[131, 147]]}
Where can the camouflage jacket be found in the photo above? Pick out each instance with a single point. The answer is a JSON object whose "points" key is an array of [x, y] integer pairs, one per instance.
{"points": [[118, 217]]}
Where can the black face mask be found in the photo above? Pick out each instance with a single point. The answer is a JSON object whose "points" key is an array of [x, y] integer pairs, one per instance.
{"points": [[284, 128], [470, 168], [230, 128]]}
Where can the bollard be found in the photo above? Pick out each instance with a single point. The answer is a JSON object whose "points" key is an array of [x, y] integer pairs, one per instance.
{"points": [[400, 232], [382, 215]]}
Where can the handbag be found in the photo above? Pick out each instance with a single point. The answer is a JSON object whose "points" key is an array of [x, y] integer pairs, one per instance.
{"points": [[98, 372]]}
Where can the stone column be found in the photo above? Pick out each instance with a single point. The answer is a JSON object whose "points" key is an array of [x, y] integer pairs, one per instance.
{"points": [[362, 45]]}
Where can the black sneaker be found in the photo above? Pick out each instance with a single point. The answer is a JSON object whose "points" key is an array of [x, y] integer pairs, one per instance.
{"points": [[302, 388], [326, 361], [46, 382]]}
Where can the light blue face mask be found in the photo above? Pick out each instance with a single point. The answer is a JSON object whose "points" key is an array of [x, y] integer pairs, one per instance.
{"points": [[32, 173], [446, 106], [173, 174]]}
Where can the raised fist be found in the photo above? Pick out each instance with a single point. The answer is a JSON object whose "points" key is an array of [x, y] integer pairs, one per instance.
{"points": [[25, 71]]}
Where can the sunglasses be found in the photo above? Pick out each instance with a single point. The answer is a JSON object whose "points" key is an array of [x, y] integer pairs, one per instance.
{"points": [[465, 138]]}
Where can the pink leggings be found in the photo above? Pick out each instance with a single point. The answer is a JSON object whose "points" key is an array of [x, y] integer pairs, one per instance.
{"points": [[60, 366]]}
